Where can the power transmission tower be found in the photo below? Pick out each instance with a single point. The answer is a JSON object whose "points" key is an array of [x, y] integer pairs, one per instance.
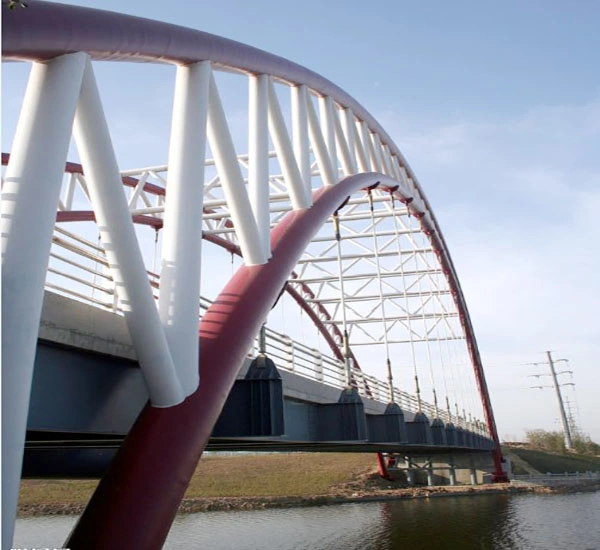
{"points": [[561, 406], [571, 409]]}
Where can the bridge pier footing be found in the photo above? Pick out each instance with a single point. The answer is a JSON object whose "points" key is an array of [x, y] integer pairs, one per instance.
{"points": [[344, 420], [388, 427], [254, 407]]}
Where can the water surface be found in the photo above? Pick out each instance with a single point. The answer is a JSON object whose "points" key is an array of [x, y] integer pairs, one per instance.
{"points": [[528, 522]]}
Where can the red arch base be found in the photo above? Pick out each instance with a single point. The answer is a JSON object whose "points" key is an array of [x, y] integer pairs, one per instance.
{"points": [[136, 501]]}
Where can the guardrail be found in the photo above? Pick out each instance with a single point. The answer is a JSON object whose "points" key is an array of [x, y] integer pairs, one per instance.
{"points": [[78, 268], [556, 477]]}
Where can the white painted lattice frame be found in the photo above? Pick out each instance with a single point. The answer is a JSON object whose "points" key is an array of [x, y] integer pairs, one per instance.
{"points": [[306, 153], [311, 153]]}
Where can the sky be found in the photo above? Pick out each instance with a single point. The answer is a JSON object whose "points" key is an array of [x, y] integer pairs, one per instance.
{"points": [[496, 107]]}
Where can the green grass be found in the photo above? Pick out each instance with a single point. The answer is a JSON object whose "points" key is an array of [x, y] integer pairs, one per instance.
{"points": [[557, 463]]}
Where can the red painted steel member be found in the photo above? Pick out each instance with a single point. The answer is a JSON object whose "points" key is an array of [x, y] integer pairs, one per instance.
{"points": [[499, 474], [136, 501]]}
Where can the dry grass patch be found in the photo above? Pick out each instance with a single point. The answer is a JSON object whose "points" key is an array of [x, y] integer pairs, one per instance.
{"points": [[558, 463], [56, 491], [286, 474]]}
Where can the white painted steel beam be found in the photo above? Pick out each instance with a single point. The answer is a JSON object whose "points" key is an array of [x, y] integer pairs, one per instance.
{"points": [[258, 157], [418, 317], [300, 135], [320, 151], [30, 197], [348, 163], [327, 116], [349, 130], [366, 255], [355, 236], [221, 145], [363, 276], [415, 340], [377, 152], [364, 216], [368, 146], [182, 230], [376, 297], [70, 191], [362, 156], [120, 242], [396, 168], [387, 161], [285, 154]]}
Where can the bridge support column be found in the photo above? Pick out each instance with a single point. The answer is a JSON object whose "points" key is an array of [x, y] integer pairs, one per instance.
{"points": [[430, 477], [473, 475], [258, 157], [410, 473], [29, 201], [452, 476], [120, 242], [221, 144], [180, 269]]}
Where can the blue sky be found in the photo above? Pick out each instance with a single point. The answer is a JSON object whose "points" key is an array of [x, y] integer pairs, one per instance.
{"points": [[496, 107]]}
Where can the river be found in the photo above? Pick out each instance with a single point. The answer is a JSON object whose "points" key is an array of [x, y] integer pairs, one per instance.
{"points": [[526, 521]]}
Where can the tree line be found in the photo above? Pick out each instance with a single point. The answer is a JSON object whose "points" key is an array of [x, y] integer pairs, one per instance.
{"points": [[554, 442]]}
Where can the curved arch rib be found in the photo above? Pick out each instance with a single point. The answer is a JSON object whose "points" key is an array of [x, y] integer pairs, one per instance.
{"points": [[136, 501]]}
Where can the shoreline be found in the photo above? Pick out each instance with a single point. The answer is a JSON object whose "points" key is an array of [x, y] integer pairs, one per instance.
{"points": [[213, 504]]}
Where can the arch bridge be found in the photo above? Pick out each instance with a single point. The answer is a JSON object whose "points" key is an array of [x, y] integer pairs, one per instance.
{"points": [[321, 207]]}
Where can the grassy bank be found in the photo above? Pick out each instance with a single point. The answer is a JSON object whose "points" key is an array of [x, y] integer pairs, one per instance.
{"points": [[286, 479], [554, 463], [293, 474], [272, 475]]}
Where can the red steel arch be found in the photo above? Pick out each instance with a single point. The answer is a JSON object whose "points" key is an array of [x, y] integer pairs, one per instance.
{"points": [[136, 501]]}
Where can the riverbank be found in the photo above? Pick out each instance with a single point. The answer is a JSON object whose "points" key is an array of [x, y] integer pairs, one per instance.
{"points": [[223, 504], [203, 504], [250, 482]]}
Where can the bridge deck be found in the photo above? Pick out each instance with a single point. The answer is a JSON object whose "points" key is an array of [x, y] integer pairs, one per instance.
{"points": [[88, 391]]}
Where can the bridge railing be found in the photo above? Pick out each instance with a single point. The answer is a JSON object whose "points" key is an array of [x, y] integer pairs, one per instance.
{"points": [[550, 478], [296, 357], [78, 268], [293, 356]]}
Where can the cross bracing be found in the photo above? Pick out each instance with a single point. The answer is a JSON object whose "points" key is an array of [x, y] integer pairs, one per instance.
{"points": [[387, 244]]}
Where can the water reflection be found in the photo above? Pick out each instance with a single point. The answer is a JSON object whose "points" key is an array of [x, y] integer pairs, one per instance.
{"points": [[478, 522], [497, 522], [348, 526]]}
